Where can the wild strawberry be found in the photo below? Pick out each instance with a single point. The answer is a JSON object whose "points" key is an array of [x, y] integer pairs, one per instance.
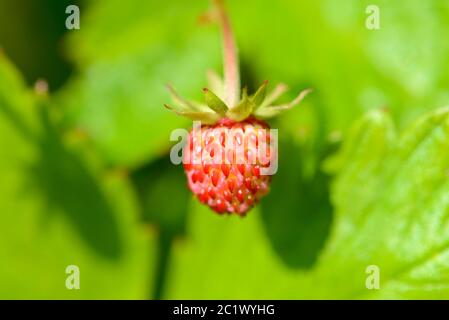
{"points": [[228, 161], [221, 181]]}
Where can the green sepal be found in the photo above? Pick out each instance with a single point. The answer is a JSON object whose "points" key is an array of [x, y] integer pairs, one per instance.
{"points": [[215, 83], [243, 109], [214, 102], [270, 98], [208, 117], [271, 111], [183, 104], [178, 100], [258, 98]]}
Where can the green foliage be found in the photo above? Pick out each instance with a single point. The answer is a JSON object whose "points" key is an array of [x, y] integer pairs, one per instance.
{"points": [[391, 199], [85, 177], [118, 96], [391, 210], [58, 210]]}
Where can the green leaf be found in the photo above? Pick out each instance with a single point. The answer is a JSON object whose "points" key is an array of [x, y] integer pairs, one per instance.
{"points": [[58, 208], [392, 208], [391, 211]]}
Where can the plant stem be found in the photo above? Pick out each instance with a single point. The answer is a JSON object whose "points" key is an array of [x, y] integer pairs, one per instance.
{"points": [[230, 58]]}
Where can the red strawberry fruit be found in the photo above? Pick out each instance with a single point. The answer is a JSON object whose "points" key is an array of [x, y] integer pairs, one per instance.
{"points": [[219, 178], [230, 158]]}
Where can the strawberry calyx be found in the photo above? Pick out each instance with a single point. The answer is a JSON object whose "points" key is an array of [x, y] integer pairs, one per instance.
{"points": [[260, 105]]}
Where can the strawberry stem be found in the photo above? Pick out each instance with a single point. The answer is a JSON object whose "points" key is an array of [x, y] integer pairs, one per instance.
{"points": [[230, 58]]}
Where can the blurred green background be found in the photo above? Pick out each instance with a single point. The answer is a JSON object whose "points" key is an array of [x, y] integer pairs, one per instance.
{"points": [[85, 177]]}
